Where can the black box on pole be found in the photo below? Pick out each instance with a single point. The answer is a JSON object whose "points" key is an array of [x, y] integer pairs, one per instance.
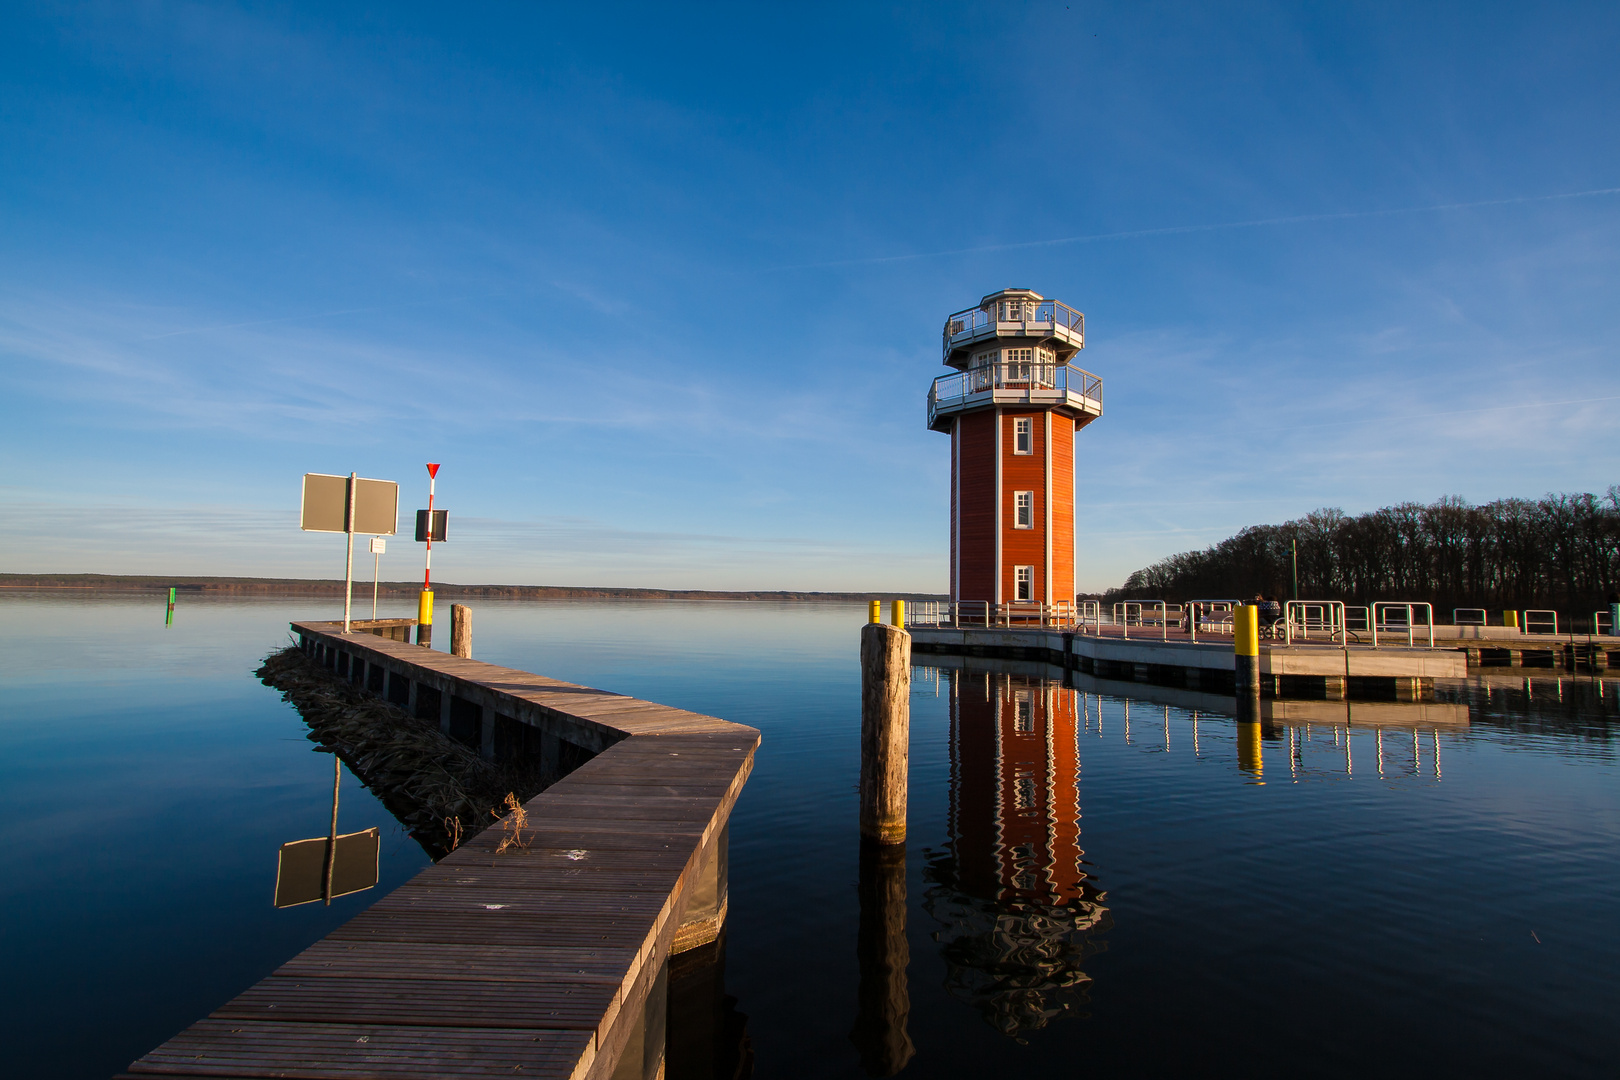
{"points": [[441, 518]]}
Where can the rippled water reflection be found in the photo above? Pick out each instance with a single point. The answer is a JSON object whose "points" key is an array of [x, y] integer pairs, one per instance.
{"points": [[1103, 878]]}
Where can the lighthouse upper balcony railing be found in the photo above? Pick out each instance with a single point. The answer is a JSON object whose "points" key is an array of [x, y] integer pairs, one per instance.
{"points": [[1015, 317], [1016, 384]]}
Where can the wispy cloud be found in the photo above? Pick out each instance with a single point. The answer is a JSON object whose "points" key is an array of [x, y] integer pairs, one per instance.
{"points": [[281, 379], [40, 536], [260, 322], [1218, 226]]}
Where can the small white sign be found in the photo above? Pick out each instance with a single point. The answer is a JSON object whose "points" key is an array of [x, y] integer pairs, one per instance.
{"points": [[379, 546]]}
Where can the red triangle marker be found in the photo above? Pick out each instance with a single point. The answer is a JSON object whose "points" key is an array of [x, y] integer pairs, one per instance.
{"points": [[433, 470]]}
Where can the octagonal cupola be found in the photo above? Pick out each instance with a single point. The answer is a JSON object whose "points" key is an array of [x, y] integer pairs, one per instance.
{"points": [[1022, 315]]}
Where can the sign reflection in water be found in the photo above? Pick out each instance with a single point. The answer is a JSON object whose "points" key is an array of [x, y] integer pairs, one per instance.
{"points": [[1018, 915], [328, 866]]}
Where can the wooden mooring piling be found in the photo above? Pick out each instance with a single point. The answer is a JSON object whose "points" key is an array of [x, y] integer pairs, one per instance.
{"points": [[885, 732]]}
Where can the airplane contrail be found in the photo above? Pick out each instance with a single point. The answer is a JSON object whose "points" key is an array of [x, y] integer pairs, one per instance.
{"points": [[259, 322], [1170, 230]]}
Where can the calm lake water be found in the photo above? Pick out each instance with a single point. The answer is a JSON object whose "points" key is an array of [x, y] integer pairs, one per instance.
{"points": [[1094, 883]]}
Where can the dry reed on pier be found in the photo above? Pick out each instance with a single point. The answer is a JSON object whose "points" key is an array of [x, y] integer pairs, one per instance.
{"points": [[439, 789]]}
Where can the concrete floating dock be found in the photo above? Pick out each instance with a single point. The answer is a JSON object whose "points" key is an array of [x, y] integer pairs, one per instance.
{"points": [[1299, 670], [550, 958], [1595, 654]]}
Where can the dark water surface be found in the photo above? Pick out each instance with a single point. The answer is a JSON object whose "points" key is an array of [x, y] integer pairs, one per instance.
{"points": [[1095, 883]]}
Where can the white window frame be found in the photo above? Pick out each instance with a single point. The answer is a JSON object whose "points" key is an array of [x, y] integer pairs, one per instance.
{"points": [[984, 372], [1018, 364], [1023, 584], [1023, 713], [1045, 370], [1023, 509], [1023, 435]]}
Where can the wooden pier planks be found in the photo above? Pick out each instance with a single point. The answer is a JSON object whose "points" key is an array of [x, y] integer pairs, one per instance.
{"points": [[536, 961]]}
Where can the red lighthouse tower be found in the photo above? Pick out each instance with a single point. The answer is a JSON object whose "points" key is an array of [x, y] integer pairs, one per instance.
{"points": [[1012, 409]]}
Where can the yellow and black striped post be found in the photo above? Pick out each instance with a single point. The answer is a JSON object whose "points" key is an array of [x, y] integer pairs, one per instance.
{"points": [[1246, 661], [875, 614], [424, 618]]}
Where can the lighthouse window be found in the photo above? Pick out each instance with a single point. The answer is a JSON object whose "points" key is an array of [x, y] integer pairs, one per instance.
{"points": [[983, 372], [1023, 583], [1018, 364], [1024, 510], [1023, 440]]}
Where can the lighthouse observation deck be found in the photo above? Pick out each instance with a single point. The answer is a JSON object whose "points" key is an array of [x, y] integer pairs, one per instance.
{"points": [[1014, 349], [1013, 313], [1060, 386]]}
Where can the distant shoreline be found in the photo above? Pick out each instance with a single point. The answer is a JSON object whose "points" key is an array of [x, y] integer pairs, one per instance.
{"points": [[248, 586]]}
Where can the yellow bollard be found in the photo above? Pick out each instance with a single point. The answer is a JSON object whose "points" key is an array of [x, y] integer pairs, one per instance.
{"points": [[1250, 759], [1510, 618], [424, 618], [876, 614], [1246, 630], [1246, 661], [897, 613]]}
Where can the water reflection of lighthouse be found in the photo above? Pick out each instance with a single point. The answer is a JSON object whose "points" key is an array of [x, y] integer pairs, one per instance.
{"points": [[1017, 912]]}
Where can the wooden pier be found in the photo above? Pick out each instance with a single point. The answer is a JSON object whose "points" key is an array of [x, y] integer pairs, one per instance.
{"points": [[547, 958]]}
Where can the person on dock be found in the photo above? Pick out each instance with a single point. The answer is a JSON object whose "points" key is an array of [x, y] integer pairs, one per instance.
{"points": [[1270, 614]]}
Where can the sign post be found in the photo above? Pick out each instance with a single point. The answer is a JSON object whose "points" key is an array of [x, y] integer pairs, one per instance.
{"points": [[349, 504], [378, 546], [424, 603], [348, 559]]}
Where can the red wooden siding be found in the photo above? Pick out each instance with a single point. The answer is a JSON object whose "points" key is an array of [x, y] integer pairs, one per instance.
{"points": [[977, 442], [976, 547], [1023, 472]]}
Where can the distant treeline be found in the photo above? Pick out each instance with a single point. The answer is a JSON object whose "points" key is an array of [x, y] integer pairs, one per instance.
{"points": [[1560, 552], [245, 586]]}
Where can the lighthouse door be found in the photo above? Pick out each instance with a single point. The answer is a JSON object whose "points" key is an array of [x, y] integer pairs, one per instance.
{"points": [[983, 375]]}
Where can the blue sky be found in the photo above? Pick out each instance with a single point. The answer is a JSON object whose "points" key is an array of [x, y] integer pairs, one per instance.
{"points": [[662, 286]]}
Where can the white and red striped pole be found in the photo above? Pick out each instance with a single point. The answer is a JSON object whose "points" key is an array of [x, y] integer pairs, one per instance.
{"points": [[424, 604]]}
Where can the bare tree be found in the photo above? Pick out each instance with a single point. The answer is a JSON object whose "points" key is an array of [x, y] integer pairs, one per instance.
{"points": [[1560, 552]]}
